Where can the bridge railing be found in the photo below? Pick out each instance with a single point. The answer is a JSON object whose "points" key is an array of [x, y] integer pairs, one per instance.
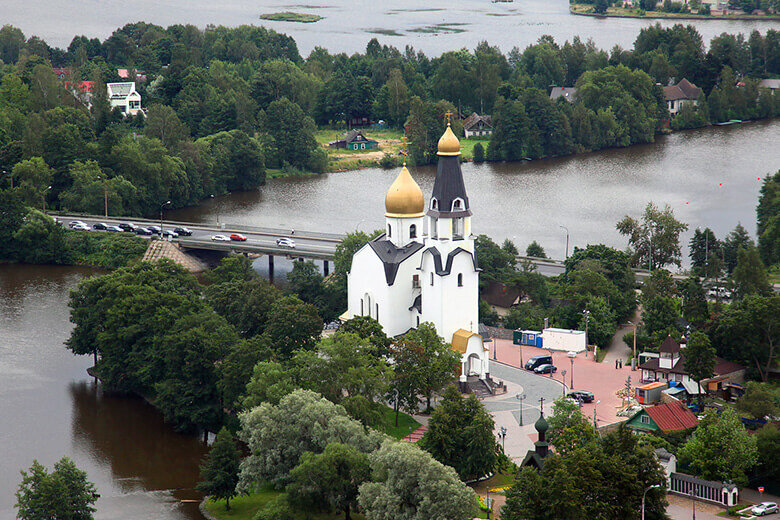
{"points": [[222, 226]]}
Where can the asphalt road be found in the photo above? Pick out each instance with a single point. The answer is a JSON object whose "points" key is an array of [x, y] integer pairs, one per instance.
{"points": [[254, 239], [535, 387]]}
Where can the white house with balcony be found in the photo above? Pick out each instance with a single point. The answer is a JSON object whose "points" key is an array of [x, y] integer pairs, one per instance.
{"points": [[124, 96]]}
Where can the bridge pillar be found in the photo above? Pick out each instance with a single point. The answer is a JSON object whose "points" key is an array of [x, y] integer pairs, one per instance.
{"points": [[271, 267], [325, 267]]}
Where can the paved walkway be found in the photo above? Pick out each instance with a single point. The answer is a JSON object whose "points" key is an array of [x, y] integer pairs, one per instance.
{"points": [[603, 379], [617, 347], [509, 411]]}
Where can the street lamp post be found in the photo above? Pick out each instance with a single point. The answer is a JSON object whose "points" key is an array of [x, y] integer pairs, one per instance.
{"points": [[161, 214], [572, 355], [634, 360], [643, 498], [521, 397], [693, 503], [595, 426], [502, 436], [44, 198], [586, 312], [567, 239]]}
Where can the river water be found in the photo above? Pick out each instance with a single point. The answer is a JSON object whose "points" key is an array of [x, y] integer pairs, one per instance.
{"points": [[435, 26], [50, 408], [710, 177]]}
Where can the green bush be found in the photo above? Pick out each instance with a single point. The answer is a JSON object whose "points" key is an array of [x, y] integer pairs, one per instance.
{"points": [[108, 250]]}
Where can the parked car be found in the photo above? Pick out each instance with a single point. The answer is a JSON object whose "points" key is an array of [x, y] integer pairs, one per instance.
{"points": [[285, 242], [143, 231], [80, 227], [168, 233], [155, 229], [220, 238], [765, 508], [128, 227], [238, 237], [99, 226], [545, 369], [542, 359], [114, 229], [183, 231], [581, 395], [76, 223]]}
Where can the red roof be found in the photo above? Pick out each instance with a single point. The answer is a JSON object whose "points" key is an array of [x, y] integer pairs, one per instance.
{"points": [[670, 417], [81, 86]]}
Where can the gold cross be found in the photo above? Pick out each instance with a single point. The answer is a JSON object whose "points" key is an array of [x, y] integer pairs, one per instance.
{"points": [[449, 116], [404, 142]]}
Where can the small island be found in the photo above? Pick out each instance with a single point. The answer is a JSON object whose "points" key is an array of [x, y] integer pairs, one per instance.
{"points": [[289, 16]]}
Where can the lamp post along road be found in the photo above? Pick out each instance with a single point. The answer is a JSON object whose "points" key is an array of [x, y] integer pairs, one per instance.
{"points": [[521, 397], [643, 498], [567, 240], [572, 355], [161, 214]]}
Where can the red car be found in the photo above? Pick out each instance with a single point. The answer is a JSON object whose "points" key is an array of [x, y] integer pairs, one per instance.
{"points": [[238, 237]]}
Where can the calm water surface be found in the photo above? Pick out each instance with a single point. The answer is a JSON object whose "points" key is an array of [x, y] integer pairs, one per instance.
{"points": [[50, 408], [708, 176], [434, 26]]}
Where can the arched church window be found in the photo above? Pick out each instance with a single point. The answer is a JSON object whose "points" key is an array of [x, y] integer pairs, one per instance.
{"points": [[377, 312], [413, 231], [389, 231], [457, 204], [431, 278], [434, 204], [460, 279]]}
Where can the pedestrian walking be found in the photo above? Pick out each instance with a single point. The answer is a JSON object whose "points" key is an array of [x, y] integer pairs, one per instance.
{"points": [[621, 363], [616, 364]]}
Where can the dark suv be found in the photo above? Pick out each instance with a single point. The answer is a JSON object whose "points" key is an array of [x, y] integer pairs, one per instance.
{"points": [[128, 226], [182, 231]]}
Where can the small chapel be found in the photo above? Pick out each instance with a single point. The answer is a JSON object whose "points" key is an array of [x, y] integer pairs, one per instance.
{"points": [[423, 267]]}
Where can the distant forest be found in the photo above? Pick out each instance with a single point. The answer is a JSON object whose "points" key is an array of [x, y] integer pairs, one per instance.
{"points": [[224, 105]]}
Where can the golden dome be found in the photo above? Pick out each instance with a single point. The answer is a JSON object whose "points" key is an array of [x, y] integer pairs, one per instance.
{"points": [[404, 199], [448, 143]]}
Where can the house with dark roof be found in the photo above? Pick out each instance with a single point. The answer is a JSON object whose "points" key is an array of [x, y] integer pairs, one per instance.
{"points": [[567, 93], [681, 94], [667, 417], [669, 367], [478, 126], [501, 297], [354, 140]]}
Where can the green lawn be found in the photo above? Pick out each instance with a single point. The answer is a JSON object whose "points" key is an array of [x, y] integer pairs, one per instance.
{"points": [[243, 507], [246, 507], [406, 424]]}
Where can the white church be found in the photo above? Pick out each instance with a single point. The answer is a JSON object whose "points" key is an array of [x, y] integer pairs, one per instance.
{"points": [[423, 268]]}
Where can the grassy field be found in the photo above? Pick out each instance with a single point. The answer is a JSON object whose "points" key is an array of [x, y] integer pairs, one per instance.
{"points": [[246, 507], [289, 16], [406, 424], [389, 143]]}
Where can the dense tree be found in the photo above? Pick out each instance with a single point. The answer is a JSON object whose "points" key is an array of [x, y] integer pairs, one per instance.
{"points": [[63, 494], [270, 382], [308, 423], [750, 276], [368, 328], [734, 241], [535, 250], [768, 218], [720, 448], [404, 474], [699, 358], [423, 364], [761, 400], [694, 302], [703, 247], [291, 134], [569, 429], [163, 124], [330, 480], [756, 321], [617, 470], [659, 283], [655, 240], [460, 435], [219, 470], [292, 325]]}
